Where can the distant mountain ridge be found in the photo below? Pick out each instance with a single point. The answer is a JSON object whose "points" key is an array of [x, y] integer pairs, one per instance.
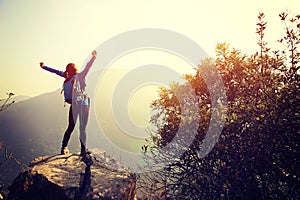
{"points": [[19, 98], [31, 127], [30, 119]]}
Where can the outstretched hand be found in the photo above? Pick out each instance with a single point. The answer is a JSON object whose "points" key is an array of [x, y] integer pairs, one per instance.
{"points": [[41, 64], [94, 53]]}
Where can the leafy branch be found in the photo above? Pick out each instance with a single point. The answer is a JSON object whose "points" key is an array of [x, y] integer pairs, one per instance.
{"points": [[5, 105]]}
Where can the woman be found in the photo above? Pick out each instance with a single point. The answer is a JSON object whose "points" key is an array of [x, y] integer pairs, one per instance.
{"points": [[76, 109]]}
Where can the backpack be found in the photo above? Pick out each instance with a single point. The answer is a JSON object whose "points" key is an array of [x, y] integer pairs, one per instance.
{"points": [[73, 93]]}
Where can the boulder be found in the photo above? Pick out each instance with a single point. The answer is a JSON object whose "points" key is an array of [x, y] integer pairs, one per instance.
{"points": [[69, 176]]}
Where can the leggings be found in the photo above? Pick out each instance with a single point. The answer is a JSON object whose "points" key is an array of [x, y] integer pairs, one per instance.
{"points": [[83, 112]]}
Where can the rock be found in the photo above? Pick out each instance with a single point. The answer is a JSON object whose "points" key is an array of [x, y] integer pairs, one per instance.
{"points": [[69, 177]]}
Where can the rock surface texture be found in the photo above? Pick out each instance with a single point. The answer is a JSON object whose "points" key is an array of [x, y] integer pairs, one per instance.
{"points": [[71, 177]]}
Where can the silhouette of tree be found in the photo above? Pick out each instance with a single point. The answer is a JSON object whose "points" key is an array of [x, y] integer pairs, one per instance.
{"points": [[6, 155], [6, 104], [257, 154]]}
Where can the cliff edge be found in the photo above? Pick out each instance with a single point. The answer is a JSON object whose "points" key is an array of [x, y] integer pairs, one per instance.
{"points": [[62, 177]]}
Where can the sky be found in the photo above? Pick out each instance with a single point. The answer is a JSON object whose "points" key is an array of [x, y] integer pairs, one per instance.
{"points": [[61, 31]]}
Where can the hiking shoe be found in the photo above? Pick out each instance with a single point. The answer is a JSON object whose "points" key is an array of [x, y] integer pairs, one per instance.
{"points": [[87, 160], [64, 150]]}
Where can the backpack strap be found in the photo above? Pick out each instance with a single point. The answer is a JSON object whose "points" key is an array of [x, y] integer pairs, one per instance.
{"points": [[72, 88]]}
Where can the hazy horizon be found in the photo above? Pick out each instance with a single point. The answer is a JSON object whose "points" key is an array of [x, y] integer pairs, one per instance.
{"points": [[57, 32]]}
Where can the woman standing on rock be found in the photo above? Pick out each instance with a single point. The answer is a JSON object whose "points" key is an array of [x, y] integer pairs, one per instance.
{"points": [[74, 93]]}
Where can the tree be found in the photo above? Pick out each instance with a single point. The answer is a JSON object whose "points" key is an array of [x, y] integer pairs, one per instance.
{"points": [[6, 155], [257, 155], [6, 104]]}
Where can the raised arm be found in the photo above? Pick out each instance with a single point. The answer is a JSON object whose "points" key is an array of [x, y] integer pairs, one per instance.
{"points": [[89, 64], [49, 69]]}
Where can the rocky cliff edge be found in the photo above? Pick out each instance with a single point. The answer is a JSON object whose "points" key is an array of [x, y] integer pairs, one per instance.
{"points": [[62, 177]]}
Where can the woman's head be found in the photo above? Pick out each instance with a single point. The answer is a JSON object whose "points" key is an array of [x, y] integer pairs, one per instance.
{"points": [[71, 70]]}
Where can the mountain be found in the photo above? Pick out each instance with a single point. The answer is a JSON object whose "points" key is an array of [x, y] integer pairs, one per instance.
{"points": [[30, 128], [19, 98], [8, 101]]}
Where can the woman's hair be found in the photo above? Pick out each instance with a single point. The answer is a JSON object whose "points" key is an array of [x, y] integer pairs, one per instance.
{"points": [[71, 70]]}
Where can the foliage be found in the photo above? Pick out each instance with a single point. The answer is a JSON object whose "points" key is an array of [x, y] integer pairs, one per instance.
{"points": [[5, 155], [257, 154], [6, 104]]}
